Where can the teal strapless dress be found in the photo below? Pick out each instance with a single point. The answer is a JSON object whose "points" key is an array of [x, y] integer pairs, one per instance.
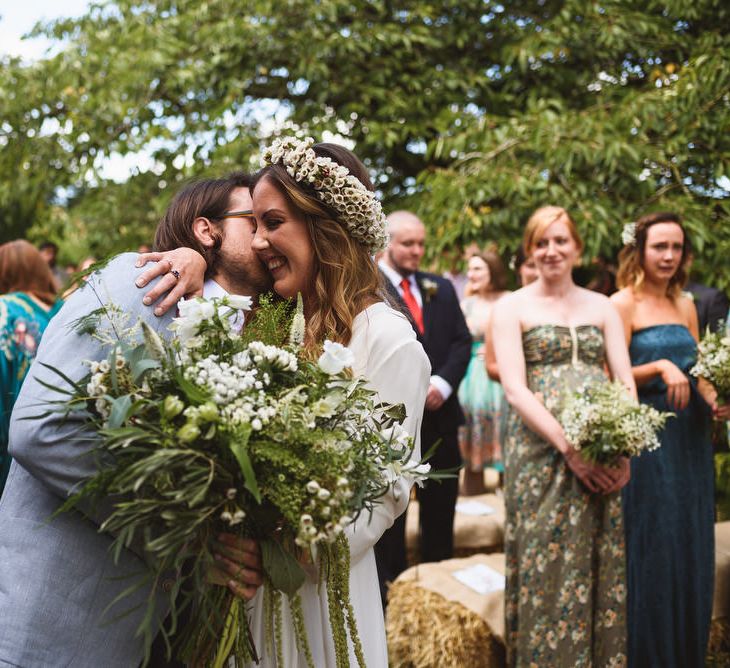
{"points": [[669, 520], [482, 400]]}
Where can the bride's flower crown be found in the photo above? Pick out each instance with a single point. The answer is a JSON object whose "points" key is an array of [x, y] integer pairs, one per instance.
{"points": [[358, 208]]}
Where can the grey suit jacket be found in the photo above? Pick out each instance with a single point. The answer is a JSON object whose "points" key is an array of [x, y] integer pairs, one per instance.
{"points": [[58, 579]]}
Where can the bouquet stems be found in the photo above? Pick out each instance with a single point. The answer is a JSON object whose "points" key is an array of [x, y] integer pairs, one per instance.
{"points": [[230, 631]]}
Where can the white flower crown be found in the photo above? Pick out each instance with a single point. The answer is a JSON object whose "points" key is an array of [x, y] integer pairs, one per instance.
{"points": [[358, 208], [628, 234]]}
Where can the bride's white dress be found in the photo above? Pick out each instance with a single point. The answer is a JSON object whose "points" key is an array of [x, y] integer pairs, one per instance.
{"points": [[388, 354]]}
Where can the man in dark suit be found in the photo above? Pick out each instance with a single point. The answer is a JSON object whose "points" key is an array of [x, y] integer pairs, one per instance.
{"points": [[440, 327], [711, 304]]}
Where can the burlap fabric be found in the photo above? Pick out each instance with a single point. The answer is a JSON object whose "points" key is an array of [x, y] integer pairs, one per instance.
{"points": [[433, 620], [472, 533]]}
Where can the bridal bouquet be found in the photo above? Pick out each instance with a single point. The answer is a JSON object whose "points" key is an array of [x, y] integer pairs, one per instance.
{"points": [[713, 363], [219, 432], [605, 422]]}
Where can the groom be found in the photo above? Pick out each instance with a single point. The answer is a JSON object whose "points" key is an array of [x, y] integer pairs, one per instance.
{"points": [[59, 582]]}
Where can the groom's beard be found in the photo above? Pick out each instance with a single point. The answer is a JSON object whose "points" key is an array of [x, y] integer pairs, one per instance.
{"points": [[243, 275]]}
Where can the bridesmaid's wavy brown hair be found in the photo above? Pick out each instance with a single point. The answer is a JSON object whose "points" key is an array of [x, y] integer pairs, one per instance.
{"points": [[345, 279], [631, 258]]}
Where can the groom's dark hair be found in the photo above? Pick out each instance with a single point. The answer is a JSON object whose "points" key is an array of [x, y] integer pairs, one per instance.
{"points": [[207, 198]]}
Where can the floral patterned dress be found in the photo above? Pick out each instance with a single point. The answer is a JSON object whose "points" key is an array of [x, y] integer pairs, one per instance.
{"points": [[566, 581], [22, 323]]}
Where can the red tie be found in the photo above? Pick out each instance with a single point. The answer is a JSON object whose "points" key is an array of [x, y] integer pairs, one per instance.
{"points": [[412, 304]]}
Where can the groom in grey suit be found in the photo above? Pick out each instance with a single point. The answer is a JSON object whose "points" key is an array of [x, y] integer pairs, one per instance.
{"points": [[59, 582]]}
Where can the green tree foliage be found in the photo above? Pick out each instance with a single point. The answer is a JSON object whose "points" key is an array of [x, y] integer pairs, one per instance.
{"points": [[471, 112]]}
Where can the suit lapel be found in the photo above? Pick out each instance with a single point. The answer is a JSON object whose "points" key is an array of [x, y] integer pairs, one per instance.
{"points": [[393, 292]]}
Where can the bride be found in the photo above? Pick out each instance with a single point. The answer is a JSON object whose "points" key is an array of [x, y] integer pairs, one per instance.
{"points": [[318, 223]]}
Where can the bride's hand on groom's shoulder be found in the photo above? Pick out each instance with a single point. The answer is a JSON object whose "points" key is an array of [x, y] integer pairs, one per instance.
{"points": [[237, 565], [183, 275]]}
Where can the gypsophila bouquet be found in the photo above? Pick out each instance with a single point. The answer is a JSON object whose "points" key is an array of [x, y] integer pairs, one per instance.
{"points": [[713, 362], [604, 422], [214, 431]]}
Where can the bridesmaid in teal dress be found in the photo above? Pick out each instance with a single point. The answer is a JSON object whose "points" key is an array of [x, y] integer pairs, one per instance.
{"points": [[481, 398], [564, 541], [27, 303], [669, 503]]}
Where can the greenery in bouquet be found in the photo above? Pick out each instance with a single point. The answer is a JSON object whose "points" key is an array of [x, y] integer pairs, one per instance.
{"points": [[713, 362], [215, 431], [604, 422]]}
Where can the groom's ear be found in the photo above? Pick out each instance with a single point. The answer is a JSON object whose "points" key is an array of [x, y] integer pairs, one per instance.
{"points": [[205, 232]]}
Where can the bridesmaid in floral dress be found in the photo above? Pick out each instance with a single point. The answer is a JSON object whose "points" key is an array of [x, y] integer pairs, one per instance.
{"points": [[480, 397], [564, 544]]}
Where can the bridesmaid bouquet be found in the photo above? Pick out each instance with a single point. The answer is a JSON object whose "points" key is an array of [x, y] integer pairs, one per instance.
{"points": [[219, 432], [713, 363], [605, 422]]}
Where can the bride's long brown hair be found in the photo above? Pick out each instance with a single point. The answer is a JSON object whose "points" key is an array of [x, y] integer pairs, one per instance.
{"points": [[345, 279]]}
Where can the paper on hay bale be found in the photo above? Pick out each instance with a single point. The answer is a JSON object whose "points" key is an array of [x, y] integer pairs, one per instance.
{"points": [[439, 578]]}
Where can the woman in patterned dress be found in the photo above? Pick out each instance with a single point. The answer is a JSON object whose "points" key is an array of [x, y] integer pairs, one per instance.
{"points": [[27, 302], [480, 397], [564, 543]]}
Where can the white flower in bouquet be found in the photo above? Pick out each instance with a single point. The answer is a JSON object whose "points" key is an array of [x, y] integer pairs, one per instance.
{"points": [[238, 302], [396, 437], [713, 362], [605, 422], [245, 434], [335, 358], [192, 313]]}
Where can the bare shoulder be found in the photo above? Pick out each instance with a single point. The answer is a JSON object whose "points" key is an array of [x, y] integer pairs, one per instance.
{"points": [[510, 300], [686, 307], [624, 300], [592, 297]]}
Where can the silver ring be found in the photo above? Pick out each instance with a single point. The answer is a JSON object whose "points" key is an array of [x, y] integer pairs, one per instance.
{"points": [[175, 273]]}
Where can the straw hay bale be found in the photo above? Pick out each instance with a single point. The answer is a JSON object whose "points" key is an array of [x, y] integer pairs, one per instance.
{"points": [[426, 631]]}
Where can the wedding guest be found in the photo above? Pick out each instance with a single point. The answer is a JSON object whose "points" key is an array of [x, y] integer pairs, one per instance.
{"points": [[564, 544], [480, 398], [439, 325], [27, 303], [77, 281], [668, 506], [49, 252], [524, 267], [318, 247], [712, 306], [455, 272]]}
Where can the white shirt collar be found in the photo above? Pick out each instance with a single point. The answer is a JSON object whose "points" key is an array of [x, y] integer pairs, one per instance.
{"points": [[395, 278], [211, 289]]}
